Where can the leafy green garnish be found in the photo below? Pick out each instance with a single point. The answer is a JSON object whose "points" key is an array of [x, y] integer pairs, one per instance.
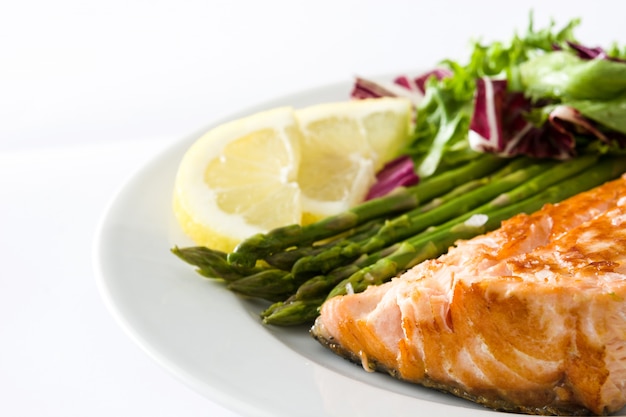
{"points": [[444, 115], [543, 64]]}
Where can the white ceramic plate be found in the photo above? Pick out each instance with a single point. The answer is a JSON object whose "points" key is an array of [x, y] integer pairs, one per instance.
{"points": [[212, 339]]}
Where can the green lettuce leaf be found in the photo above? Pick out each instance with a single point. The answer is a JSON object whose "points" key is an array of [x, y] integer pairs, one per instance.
{"points": [[563, 76], [608, 113]]}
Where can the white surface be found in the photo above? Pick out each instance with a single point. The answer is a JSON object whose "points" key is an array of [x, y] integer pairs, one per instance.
{"points": [[89, 91]]}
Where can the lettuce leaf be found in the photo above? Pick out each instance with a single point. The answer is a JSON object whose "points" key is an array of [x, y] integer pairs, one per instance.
{"points": [[609, 113], [564, 76]]}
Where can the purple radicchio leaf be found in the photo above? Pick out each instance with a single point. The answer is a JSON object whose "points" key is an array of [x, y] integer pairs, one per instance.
{"points": [[486, 125], [545, 142], [567, 119], [364, 88], [585, 52], [396, 173], [438, 73], [410, 84], [499, 125], [402, 86]]}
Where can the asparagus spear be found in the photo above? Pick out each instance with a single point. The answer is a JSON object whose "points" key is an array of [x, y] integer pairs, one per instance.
{"points": [[261, 245], [379, 268], [422, 247], [479, 167], [271, 284], [415, 221], [299, 312], [286, 259], [341, 254], [315, 290], [470, 185], [277, 285], [274, 285], [212, 263], [511, 188]]}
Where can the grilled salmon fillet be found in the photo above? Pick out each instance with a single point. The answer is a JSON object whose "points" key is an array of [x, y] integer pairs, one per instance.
{"points": [[528, 318]]}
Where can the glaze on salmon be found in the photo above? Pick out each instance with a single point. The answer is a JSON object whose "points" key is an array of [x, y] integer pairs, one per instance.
{"points": [[528, 318]]}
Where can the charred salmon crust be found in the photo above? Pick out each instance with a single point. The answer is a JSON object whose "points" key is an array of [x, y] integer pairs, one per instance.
{"points": [[488, 401], [528, 318]]}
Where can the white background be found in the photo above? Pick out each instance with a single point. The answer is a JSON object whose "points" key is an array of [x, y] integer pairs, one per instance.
{"points": [[89, 91]]}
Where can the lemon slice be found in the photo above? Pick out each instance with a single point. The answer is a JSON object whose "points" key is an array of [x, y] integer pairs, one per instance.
{"points": [[344, 145], [239, 179], [285, 166]]}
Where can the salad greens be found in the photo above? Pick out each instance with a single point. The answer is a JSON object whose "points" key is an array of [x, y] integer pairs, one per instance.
{"points": [[543, 94]]}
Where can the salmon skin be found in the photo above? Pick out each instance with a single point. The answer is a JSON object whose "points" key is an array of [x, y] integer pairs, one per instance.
{"points": [[528, 318]]}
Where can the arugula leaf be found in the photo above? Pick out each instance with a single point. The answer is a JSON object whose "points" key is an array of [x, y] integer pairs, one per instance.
{"points": [[499, 59], [442, 120]]}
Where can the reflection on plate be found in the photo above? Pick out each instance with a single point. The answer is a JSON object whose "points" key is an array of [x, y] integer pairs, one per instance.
{"points": [[213, 340]]}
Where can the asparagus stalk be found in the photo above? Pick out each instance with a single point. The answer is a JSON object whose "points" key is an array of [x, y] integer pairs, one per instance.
{"points": [[298, 312], [470, 185], [511, 188], [321, 284], [415, 221], [562, 171], [429, 242], [315, 290], [286, 259], [271, 285], [479, 167], [378, 268], [422, 247], [212, 263], [276, 285], [261, 245]]}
